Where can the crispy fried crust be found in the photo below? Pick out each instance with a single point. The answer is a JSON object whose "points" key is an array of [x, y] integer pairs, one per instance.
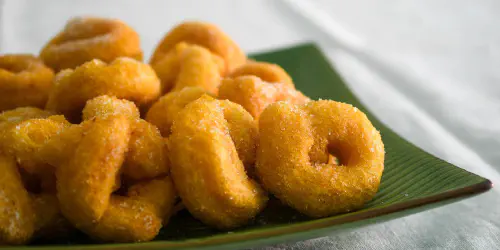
{"points": [[24, 140], [139, 216], [255, 94], [124, 78], [86, 181], [189, 65], [164, 111], [87, 38], [17, 222], [24, 81], [147, 155], [210, 140], [295, 141], [109, 105], [205, 35]]}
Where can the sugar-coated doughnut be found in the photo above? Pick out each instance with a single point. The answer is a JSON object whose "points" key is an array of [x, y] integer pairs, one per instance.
{"points": [[24, 81], [87, 38], [189, 65], [147, 153], [210, 144], [292, 159], [255, 95], [87, 179], [123, 78], [205, 35]]}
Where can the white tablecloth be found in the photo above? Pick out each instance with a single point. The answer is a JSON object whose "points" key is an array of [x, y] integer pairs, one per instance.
{"points": [[429, 69]]}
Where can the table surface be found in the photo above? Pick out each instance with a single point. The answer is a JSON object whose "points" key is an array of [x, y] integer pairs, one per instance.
{"points": [[427, 69]]}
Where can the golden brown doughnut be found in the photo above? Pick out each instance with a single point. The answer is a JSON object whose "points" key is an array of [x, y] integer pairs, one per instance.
{"points": [[146, 155], [87, 38], [189, 65], [28, 181], [87, 178], [24, 81], [24, 139], [255, 94], [211, 143], [124, 78], [205, 35], [292, 159]]}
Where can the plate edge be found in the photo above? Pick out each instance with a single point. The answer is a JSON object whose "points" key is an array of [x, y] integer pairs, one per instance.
{"points": [[222, 241]]}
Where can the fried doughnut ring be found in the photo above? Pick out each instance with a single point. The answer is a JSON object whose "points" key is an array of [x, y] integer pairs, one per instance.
{"points": [[22, 140], [24, 81], [23, 132], [146, 156], [87, 38], [189, 65], [124, 78], [268, 72], [295, 141], [86, 180], [163, 112], [255, 95], [213, 185], [205, 35]]}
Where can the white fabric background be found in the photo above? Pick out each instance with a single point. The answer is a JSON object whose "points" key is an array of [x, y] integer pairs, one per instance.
{"points": [[429, 69]]}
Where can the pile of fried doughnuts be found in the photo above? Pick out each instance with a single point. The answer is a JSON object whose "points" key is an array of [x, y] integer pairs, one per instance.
{"points": [[94, 140]]}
